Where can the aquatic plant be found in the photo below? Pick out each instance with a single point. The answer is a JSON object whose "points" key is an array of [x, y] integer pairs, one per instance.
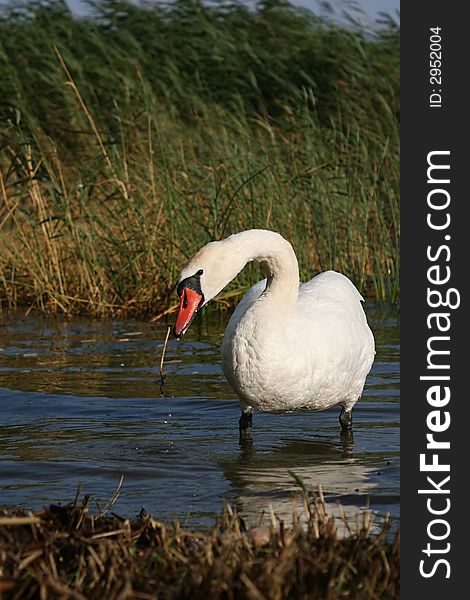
{"points": [[131, 137]]}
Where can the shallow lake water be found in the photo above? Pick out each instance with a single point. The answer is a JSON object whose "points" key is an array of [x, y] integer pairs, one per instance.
{"points": [[81, 404]]}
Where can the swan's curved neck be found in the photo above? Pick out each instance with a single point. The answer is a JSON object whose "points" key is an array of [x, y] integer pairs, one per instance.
{"points": [[277, 258]]}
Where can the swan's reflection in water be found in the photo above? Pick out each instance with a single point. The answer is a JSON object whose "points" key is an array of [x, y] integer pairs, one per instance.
{"points": [[260, 480]]}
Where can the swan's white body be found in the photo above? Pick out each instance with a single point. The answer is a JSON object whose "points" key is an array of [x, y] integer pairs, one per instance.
{"points": [[287, 346]]}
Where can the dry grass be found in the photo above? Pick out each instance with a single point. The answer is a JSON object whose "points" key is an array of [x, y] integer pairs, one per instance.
{"points": [[66, 552]]}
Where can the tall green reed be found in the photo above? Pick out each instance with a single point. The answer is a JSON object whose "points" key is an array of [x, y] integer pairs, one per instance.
{"points": [[132, 138]]}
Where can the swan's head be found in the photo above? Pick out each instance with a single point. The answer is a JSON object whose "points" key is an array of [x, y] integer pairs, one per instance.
{"points": [[203, 277]]}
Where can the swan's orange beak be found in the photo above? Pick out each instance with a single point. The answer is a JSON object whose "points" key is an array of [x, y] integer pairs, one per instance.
{"points": [[189, 303]]}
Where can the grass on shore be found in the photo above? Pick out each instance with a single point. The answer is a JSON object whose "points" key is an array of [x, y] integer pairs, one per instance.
{"points": [[66, 552], [131, 139]]}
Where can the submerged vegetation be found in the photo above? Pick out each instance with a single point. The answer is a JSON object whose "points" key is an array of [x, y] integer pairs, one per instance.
{"points": [[131, 137], [66, 552]]}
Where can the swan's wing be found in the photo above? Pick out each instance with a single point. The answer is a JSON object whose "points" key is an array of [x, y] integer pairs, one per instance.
{"points": [[329, 311], [329, 297], [325, 291], [328, 287]]}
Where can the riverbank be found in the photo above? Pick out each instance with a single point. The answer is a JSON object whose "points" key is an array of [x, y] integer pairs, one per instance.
{"points": [[69, 552]]}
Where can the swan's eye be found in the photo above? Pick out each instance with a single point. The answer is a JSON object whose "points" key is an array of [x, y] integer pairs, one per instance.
{"points": [[185, 300], [191, 283]]}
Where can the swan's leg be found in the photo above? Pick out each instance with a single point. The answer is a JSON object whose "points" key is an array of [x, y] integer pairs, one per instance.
{"points": [[246, 422], [347, 442], [345, 418]]}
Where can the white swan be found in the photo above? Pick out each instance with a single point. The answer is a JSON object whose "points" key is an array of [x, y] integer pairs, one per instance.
{"points": [[286, 347]]}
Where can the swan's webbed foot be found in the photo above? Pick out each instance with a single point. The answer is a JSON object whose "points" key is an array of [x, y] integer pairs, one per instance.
{"points": [[246, 423], [345, 418]]}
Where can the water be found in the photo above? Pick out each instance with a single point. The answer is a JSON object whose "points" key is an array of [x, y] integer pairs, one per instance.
{"points": [[81, 403]]}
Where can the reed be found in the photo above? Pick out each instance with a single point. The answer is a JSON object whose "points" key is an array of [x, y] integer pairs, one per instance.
{"points": [[132, 138]]}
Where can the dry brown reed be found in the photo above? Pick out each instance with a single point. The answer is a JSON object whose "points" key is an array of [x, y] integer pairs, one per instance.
{"points": [[65, 552]]}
